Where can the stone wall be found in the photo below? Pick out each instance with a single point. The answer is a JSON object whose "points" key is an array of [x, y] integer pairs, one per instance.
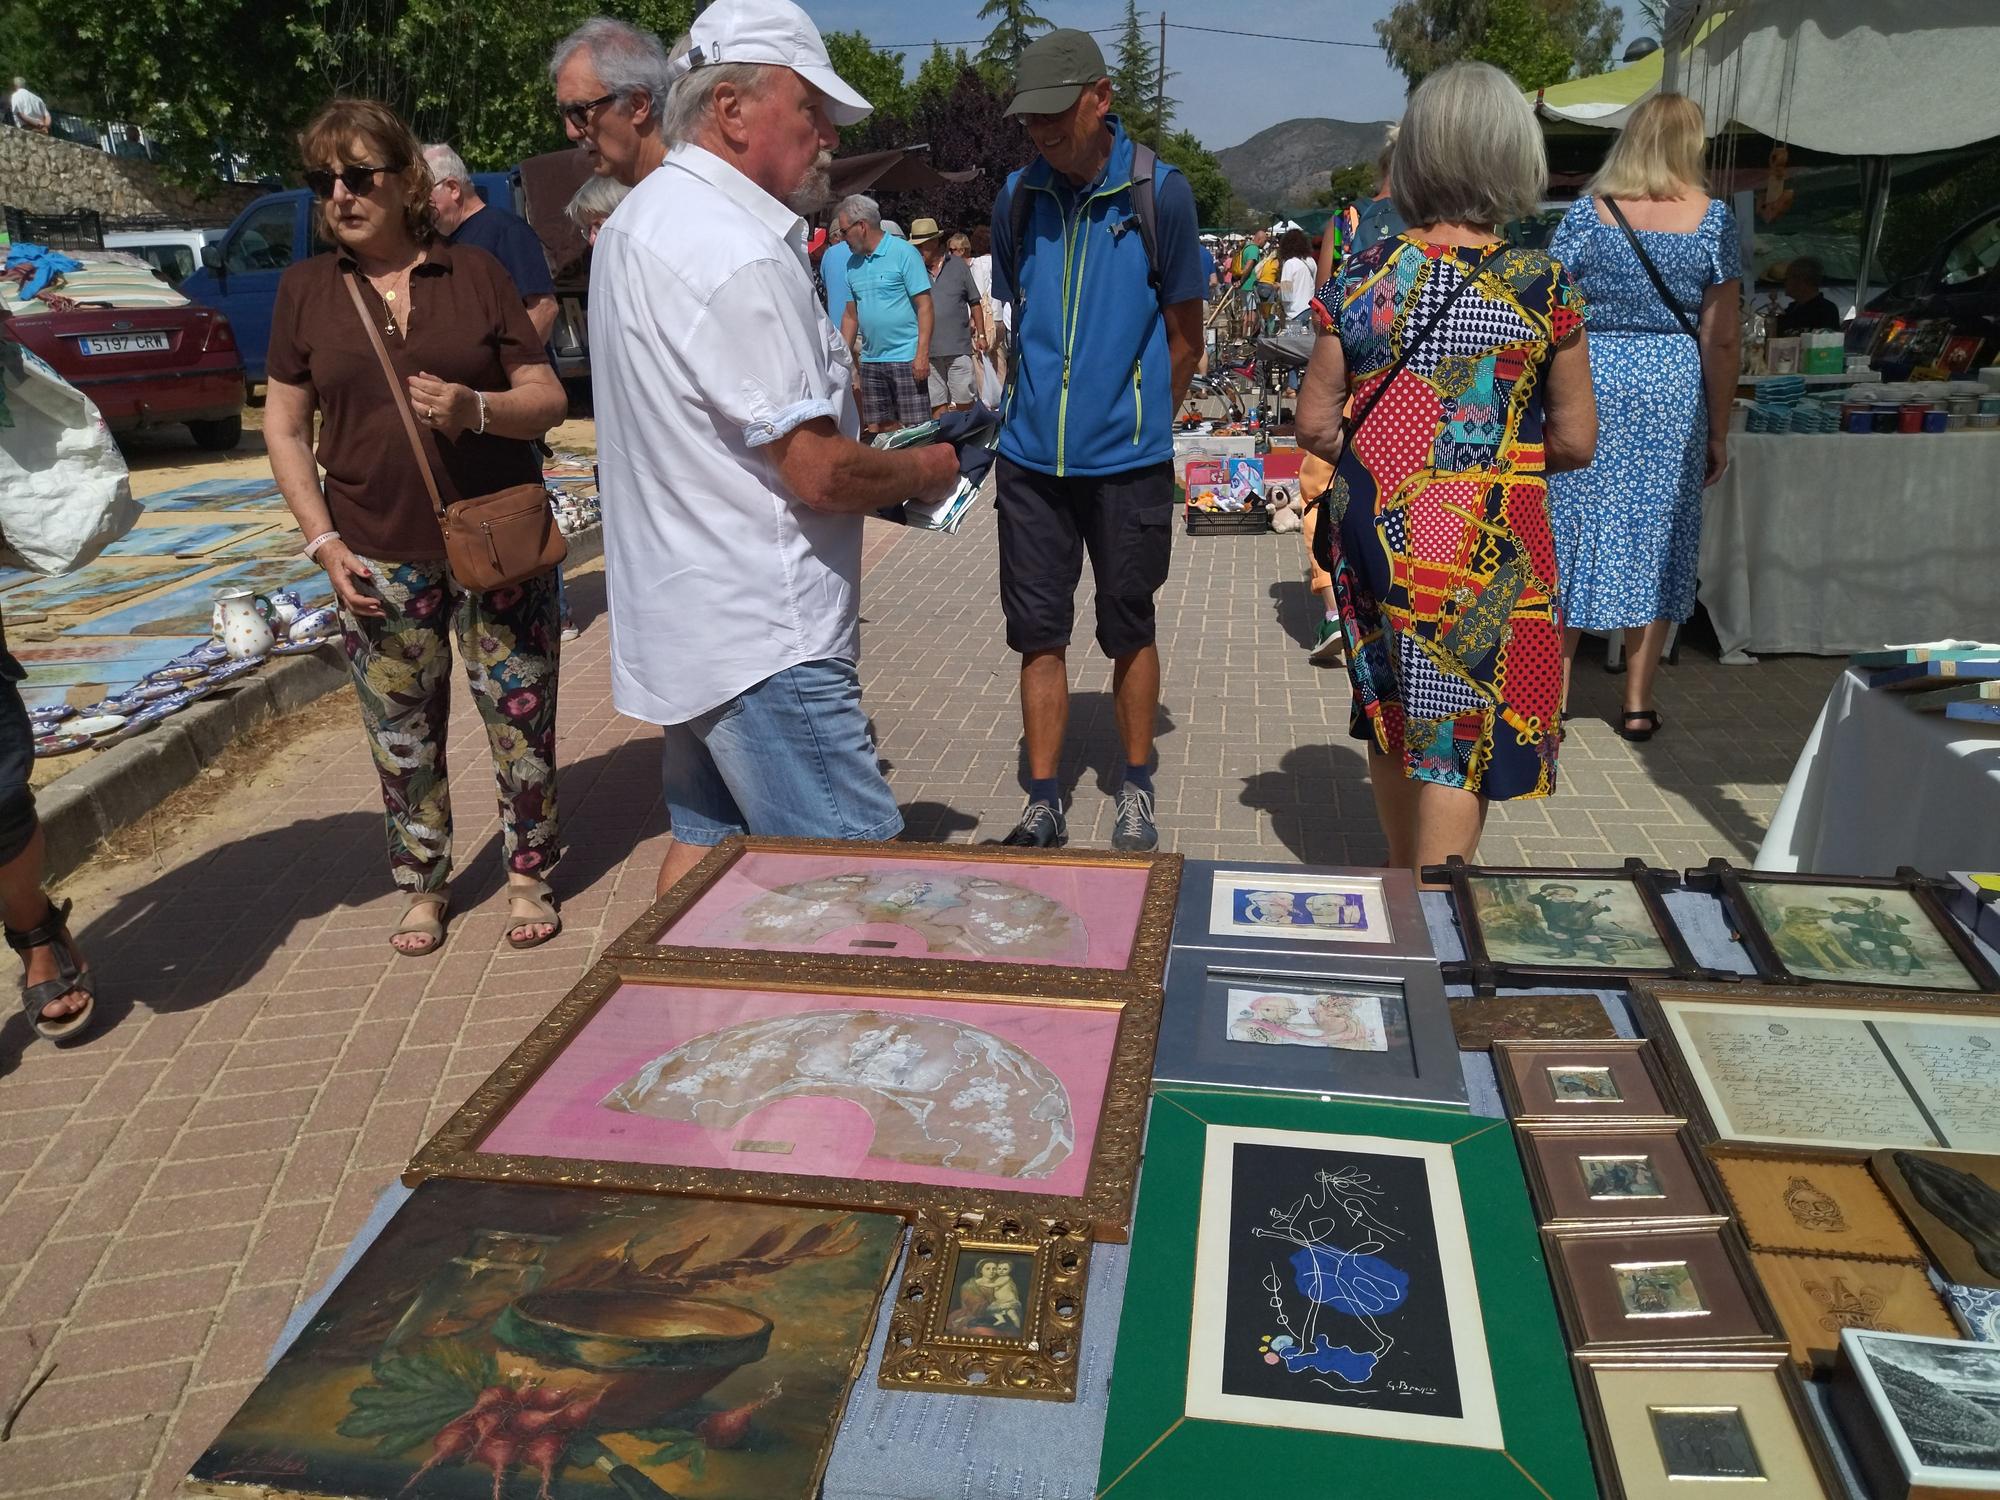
{"points": [[45, 175]]}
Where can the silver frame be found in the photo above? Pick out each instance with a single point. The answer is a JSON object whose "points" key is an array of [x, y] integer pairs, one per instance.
{"points": [[1410, 937]]}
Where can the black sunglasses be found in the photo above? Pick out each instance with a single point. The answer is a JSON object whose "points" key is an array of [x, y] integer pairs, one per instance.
{"points": [[579, 114], [360, 180]]}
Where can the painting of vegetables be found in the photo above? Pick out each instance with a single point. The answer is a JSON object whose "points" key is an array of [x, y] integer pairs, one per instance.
{"points": [[502, 1342]]}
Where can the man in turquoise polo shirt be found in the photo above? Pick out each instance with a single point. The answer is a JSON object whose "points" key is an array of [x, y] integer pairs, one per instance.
{"points": [[1107, 332], [889, 308]]}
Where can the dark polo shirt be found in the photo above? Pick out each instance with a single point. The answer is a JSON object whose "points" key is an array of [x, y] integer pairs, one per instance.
{"points": [[466, 326]]}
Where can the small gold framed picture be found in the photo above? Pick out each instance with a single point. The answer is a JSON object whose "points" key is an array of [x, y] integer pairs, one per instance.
{"points": [[990, 1304]]}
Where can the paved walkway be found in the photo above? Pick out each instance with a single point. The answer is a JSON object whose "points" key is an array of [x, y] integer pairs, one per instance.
{"points": [[173, 1187]]}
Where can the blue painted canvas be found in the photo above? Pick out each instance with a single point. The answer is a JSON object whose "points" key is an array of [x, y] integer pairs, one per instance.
{"points": [[218, 494]]}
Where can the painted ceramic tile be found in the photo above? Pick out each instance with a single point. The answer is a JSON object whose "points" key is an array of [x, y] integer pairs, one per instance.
{"points": [[1860, 936], [1534, 921], [1977, 1309], [1351, 1023]]}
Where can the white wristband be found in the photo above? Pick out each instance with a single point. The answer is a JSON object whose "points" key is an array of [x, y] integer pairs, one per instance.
{"points": [[313, 546], [480, 397]]}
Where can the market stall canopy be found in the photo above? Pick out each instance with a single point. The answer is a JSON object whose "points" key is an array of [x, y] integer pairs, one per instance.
{"points": [[1606, 99], [905, 169]]}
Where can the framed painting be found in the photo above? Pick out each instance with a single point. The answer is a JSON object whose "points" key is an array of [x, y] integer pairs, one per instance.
{"points": [[1918, 1413], [936, 916], [1952, 1200], [1838, 929], [668, 1078], [1615, 1174], [1479, 1021], [1840, 1071], [1805, 1204], [1525, 927], [990, 1304], [1587, 1082], [498, 1333], [1690, 1286], [1816, 1296], [1278, 908], [1368, 1303], [1299, 1024], [1665, 1428]]}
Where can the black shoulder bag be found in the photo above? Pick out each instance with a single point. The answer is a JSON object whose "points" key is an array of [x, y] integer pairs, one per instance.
{"points": [[1653, 273], [1324, 521]]}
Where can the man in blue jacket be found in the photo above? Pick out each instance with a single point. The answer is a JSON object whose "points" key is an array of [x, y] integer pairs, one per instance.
{"points": [[1107, 328]]}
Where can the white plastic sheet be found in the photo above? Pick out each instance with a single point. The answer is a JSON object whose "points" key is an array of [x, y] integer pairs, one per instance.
{"points": [[65, 494]]}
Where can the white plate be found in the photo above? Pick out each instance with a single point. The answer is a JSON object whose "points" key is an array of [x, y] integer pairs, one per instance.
{"points": [[95, 724]]}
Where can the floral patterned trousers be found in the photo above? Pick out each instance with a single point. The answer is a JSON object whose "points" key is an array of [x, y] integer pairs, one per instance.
{"points": [[511, 640]]}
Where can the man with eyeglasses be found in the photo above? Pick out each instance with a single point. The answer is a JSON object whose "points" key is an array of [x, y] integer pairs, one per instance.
{"points": [[887, 321], [611, 83], [465, 218]]}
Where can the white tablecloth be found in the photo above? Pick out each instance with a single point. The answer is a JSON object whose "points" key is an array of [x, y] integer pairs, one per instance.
{"points": [[1838, 543], [1880, 785]]}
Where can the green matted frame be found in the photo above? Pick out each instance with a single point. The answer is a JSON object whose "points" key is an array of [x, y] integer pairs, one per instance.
{"points": [[1154, 1451]]}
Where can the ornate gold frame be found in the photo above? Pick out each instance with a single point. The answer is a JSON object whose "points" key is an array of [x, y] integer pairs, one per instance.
{"points": [[1144, 972], [1041, 1364], [1105, 1205]]}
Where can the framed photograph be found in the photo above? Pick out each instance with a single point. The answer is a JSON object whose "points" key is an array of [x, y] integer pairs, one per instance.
{"points": [[1838, 929], [1952, 1200], [669, 1078], [1918, 1413], [1628, 1289], [1479, 1021], [1805, 1204], [577, 1333], [990, 1304], [1832, 1070], [1307, 1025], [941, 916], [1368, 1303], [1816, 1296], [1614, 1174], [1665, 1428], [1525, 926], [1976, 1309], [1588, 1082], [1277, 908]]}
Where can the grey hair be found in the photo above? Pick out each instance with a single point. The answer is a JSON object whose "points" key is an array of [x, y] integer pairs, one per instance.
{"points": [[690, 99], [447, 165], [859, 207], [1470, 151], [595, 200], [20, 82], [1385, 159], [626, 59]]}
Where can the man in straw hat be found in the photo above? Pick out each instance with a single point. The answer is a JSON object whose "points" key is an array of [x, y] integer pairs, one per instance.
{"points": [[957, 319]]}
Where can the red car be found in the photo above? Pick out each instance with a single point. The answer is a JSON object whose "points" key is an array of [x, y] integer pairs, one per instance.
{"points": [[144, 365]]}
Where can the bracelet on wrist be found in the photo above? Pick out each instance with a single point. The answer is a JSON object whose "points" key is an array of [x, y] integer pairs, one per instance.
{"points": [[312, 547], [480, 397]]}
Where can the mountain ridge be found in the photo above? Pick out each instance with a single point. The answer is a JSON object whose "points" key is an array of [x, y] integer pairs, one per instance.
{"points": [[1283, 166]]}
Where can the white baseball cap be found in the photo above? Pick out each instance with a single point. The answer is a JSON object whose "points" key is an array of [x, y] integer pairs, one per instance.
{"points": [[771, 31]]}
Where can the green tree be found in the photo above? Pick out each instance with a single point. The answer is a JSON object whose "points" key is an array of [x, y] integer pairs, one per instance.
{"points": [[1136, 84], [1354, 184], [1538, 42], [878, 76], [939, 74], [1215, 203], [1015, 24]]}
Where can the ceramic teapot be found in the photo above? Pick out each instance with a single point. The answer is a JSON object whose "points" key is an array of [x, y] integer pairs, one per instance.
{"points": [[242, 623]]}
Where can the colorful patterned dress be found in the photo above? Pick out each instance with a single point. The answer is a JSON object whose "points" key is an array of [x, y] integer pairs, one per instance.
{"points": [[1447, 572]]}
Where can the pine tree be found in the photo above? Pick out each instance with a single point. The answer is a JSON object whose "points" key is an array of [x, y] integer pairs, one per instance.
{"points": [[1015, 24], [1135, 83]]}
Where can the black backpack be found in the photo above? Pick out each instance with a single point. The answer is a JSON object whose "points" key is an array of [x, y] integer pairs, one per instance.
{"points": [[1145, 208]]}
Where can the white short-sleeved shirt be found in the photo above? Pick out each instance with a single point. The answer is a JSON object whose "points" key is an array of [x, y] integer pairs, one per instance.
{"points": [[27, 105], [708, 343]]}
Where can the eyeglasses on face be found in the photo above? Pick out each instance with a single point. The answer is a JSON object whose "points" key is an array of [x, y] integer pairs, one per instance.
{"points": [[579, 114], [360, 180]]}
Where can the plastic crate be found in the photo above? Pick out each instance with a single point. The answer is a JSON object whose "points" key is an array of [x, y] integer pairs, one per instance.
{"points": [[1227, 522], [79, 229]]}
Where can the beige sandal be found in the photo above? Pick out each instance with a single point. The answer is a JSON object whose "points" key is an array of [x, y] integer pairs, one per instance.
{"points": [[424, 917], [539, 902]]}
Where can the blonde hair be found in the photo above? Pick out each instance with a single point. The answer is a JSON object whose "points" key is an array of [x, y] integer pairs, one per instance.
{"points": [[1659, 153]]}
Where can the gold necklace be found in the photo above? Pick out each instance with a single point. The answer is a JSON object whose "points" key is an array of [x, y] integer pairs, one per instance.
{"points": [[388, 296]]}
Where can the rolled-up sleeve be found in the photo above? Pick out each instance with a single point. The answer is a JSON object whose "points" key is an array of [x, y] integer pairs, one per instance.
{"points": [[759, 357]]}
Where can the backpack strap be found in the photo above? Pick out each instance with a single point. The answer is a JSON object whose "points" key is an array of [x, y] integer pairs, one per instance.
{"points": [[1146, 209]]}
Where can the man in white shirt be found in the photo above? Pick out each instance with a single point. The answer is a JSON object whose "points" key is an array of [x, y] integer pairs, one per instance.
{"points": [[30, 113], [726, 443]]}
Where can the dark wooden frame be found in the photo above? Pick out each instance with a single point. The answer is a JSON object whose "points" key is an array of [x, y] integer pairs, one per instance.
{"points": [[1769, 1333], [1479, 970]]}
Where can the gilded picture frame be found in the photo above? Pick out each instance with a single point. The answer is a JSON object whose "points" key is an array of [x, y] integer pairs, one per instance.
{"points": [[1142, 970], [1103, 1200], [1635, 1089], [1684, 1286], [1614, 1174], [961, 1327]]}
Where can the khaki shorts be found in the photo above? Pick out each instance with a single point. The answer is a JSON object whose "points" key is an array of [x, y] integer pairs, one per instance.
{"points": [[951, 381]]}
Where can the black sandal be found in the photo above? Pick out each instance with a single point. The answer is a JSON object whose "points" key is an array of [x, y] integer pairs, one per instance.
{"points": [[71, 977], [1649, 716]]}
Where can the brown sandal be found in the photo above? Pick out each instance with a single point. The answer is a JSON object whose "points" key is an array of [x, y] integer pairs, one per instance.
{"points": [[424, 917], [540, 903]]}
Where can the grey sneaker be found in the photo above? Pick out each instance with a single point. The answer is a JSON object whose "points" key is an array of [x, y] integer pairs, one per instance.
{"points": [[1041, 827], [1135, 831]]}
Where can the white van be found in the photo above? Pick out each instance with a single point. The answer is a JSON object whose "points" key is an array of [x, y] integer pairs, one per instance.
{"points": [[174, 253]]}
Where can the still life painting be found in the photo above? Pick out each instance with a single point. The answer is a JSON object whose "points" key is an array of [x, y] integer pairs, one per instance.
{"points": [[1534, 921], [1315, 908], [504, 1339], [1855, 935], [1350, 1022]]}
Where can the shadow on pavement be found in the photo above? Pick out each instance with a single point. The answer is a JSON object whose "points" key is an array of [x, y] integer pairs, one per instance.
{"points": [[1092, 746], [1304, 797], [1298, 610]]}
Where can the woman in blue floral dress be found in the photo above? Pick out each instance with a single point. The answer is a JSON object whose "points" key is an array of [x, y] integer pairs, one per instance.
{"points": [[1628, 527]]}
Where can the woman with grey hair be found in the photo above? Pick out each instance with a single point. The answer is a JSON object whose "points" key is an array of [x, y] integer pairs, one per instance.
{"points": [[1466, 362], [592, 204]]}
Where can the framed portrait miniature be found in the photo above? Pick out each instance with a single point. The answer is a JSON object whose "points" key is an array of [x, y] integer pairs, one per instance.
{"points": [[670, 1078], [1301, 1024], [1629, 1289], [1664, 1428], [1845, 1071], [990, 1304], [1816, 1296], [1276, 908], [1917, 1413], [1525, 926], [1587, 1082], [1952, 1200], [1835, 929], [1615, 1174], [1368, 1302], [942, 916], [1806, 1204]]}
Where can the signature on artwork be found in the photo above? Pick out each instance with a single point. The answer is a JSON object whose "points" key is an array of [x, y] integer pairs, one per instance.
{"points": [[1404, 1388], [267, 1462]]}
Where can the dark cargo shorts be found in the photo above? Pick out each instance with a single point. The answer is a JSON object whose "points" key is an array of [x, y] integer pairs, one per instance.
{"points": [[1124, 521]]}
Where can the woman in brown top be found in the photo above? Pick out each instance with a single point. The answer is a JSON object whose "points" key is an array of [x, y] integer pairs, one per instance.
{"points": [[481, 389]]}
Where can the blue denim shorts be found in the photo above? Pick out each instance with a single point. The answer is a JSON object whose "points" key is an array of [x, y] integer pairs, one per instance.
{"points": [[792, 757]]}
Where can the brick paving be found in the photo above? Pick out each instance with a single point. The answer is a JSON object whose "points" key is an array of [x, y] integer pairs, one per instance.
{"points": [[173, 1187]]}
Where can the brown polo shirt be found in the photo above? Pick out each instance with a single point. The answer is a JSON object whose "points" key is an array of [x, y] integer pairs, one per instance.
{"points": [[468, 327]]}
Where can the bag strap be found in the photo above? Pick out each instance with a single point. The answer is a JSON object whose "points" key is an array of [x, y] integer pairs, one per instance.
{"points": [[1416, 342], [1653, 272], [1146, 209], [399, 395]]}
